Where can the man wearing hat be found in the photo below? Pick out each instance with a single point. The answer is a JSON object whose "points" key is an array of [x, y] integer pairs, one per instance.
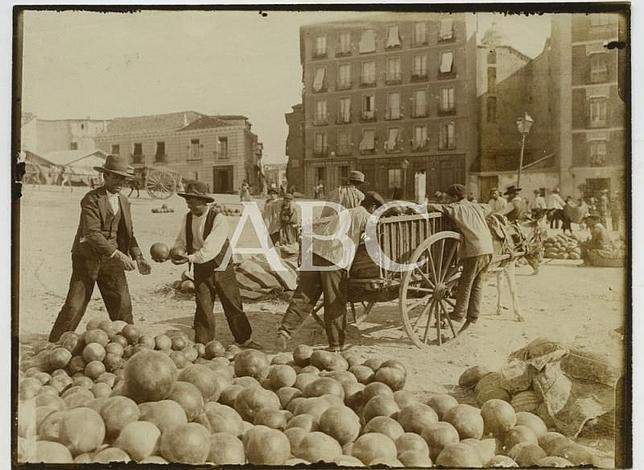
{"points": [[270, 215], [101, 251], [348, 195], [556, 206], [475, 251], [600, 241], [330, 254], [497, 202], [516, 208], [203, 241]]}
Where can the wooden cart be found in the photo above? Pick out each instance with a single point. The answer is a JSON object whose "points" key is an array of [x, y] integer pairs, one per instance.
{"points": [[426, 293], [159, 182]]}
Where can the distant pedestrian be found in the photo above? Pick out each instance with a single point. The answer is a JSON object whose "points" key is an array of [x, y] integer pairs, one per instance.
{"points": [[515, 210], [244, 192], [348, 195], [555, 206], [65, 178], [539, 202], [497, 202]]}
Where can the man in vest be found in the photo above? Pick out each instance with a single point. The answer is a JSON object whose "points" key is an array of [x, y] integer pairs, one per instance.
{"points": [[312, 284], [348, 195], [516, 208], [203, 240], [101, 251]]}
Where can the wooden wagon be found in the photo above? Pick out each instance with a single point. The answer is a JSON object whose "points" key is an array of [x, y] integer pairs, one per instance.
{"points": [[159, 182], [426, 293]]}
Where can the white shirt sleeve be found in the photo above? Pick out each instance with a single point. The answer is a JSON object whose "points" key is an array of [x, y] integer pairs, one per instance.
{"points": [[180, 242], [213, 243]]}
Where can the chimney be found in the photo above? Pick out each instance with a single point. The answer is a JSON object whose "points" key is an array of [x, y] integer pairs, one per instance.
{"points": [[185, 118]]}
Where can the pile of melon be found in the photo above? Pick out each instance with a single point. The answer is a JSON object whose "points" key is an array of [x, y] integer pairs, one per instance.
{"points": [[112, 394], [164, 209], [562, 247]]}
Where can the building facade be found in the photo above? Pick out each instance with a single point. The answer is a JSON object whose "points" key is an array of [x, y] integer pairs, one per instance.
{"points": [[49, 135], [295, 148], [221, 151], [394, 97]]}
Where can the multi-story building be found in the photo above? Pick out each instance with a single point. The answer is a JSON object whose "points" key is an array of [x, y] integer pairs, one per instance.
{"points": [[295, 148], [393, 96], [590, 120], [219, 150], [42, 136]]}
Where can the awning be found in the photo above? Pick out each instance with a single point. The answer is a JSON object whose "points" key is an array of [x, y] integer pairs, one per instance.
{"points": [[446, 28], [318, 82], [367, 41], [392, 138], [447, 58], [368, 141], [393, 37]]}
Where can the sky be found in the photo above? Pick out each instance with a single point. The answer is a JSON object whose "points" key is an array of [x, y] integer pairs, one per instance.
{"points": [[106, 65]]}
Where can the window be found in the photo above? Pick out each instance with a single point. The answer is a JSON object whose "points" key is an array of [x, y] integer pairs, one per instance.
{"points": [[344, 111], [491, 79], [319, 82], [195, 153], [137, 149], [446, 140], [446, 31], [447, 100], [368, 142], [344, 43], [344, 172], [320, 112], [598, 68], [393, 106], [344, 143], [598, 112], [116, 149], [491, 109], [394, 179], [344, 76], [420, 67], [73, 146], [392, 143], [369, 107], [447, 63], [420, 34], [393, 37], [320, 174], [597, 152], [393, 70], [420, 137], [420, 103], [320, 46], [159, 154], [368, 76], [222, 142], [367, 41], [319, 145], [598, 19]]}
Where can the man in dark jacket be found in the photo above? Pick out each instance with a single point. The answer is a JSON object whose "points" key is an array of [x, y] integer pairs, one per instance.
{"points": [[101, 251], [203, 241]]}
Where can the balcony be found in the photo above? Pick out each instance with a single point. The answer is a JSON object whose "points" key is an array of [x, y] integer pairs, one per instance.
{"points": [[321, 120], [419, 113], [161, 158], [137, 158], [343, 119], [450, 111], [393, 115], [393, 147], [343, 53], [321, 152], [394, 80], [368, 116], [420, 146], [367, 82], [344, 85], [319, 54], [446, 75], [345, 150], [367, 151], [419, 76]]}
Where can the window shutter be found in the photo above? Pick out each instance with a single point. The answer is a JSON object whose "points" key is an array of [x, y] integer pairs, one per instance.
{"points": [[446, 62], [318, 82]]}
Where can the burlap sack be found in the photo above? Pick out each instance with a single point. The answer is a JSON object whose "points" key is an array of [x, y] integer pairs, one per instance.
{"points": [[553, 387], [591, 367], [540, 352], [517, 376]]}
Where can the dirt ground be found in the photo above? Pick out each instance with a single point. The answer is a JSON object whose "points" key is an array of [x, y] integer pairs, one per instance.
{"points": [[578, 306]]}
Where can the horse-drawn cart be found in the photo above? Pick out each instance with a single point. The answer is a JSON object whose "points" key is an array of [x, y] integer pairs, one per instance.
{"points": [[159, 182]]}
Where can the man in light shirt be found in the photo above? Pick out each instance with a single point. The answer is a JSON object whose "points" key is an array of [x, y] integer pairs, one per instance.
{"points": [[203, 241], [348, 195], [497, 202], [101, 251], [556, 206], [312, 284]]}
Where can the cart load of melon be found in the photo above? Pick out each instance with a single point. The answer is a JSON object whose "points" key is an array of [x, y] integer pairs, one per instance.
{"points": [[117, 394]]}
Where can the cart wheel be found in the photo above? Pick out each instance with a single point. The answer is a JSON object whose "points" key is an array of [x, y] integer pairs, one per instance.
{"points": [[426, 292], [160, 184]]}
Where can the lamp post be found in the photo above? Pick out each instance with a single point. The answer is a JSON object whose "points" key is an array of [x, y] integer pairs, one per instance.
{"points": [[404, 164], [524, 124]]}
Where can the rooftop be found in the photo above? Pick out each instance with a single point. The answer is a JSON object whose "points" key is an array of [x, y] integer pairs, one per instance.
{"points": [[68, 157], [151, 123]]}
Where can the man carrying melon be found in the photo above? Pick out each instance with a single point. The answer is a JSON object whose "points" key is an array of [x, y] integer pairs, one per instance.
{"points": [[203, 241], [101, 252]]}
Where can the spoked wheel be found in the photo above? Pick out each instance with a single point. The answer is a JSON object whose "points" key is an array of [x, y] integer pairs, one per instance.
{"points": [[160, 184], [427, 292]]}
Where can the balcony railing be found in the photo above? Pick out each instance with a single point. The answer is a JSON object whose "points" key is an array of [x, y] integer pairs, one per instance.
{"points": [[418, 76], [419, 113], [420, 146], [319, 54], [393, 147], [366, 82], [392, 115], [345, 150], [321, 152], [368, 116], [343, 118], [321, 120], [343, 53], [394, 79], [344, 85], [161, 158], [446, 111], [138, 158]]}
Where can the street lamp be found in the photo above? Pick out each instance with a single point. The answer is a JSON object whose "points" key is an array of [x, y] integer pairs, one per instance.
{"points": [[404, 164], [523, 125]]}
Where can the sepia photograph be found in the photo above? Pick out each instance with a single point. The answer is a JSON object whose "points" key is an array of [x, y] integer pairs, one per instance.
{"points": [[343, 235]]}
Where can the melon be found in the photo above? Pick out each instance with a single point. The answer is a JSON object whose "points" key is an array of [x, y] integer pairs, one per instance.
{"points": [[554, 462], [467, 420], [324, 386], [394, 377], [385, 425], [438, 436], [525, 401], [533, 422], [375, 389], [254, 399], [226, 449], [139, 439], [295, 435], [372, 446], [59, 358], [442, 403], [274, 419], [81, 430], [341, 423], [308, 423], [189, 397], [491, 393], [519, 434], [416, 417], [414, 458], [251, 363], [348, 461], [470, 377], [551, 440], [303, 379], [363, 374], [353, 395], [295, 403], [310, 369], [229, 394], [485, 447], [526, 455], [156, 459], [111, 454], [318, 447], [280, 376], [575, 453], [501, 461], [203, 378], [117, 412], [322, 359], [247, 382], [96, 335], [302, 355], [411, 442], [51, 452], [498, 417], [265, 446], [101, 390], [185, 443], [49, 428], [313, 406], [223, 418], [149, 376], [374, 363], [286, 394], [405, 398], [163, 414], [459, 456]]}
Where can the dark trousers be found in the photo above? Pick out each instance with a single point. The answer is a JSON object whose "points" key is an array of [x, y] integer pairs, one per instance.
{"points": [[311, 285], [209, 284], [556, 217], [470, 287], [111, 280]]}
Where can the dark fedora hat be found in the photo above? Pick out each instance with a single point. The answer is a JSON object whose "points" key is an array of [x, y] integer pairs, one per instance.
{"points": [[197, 189], [117, 165], [511, 190]]}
